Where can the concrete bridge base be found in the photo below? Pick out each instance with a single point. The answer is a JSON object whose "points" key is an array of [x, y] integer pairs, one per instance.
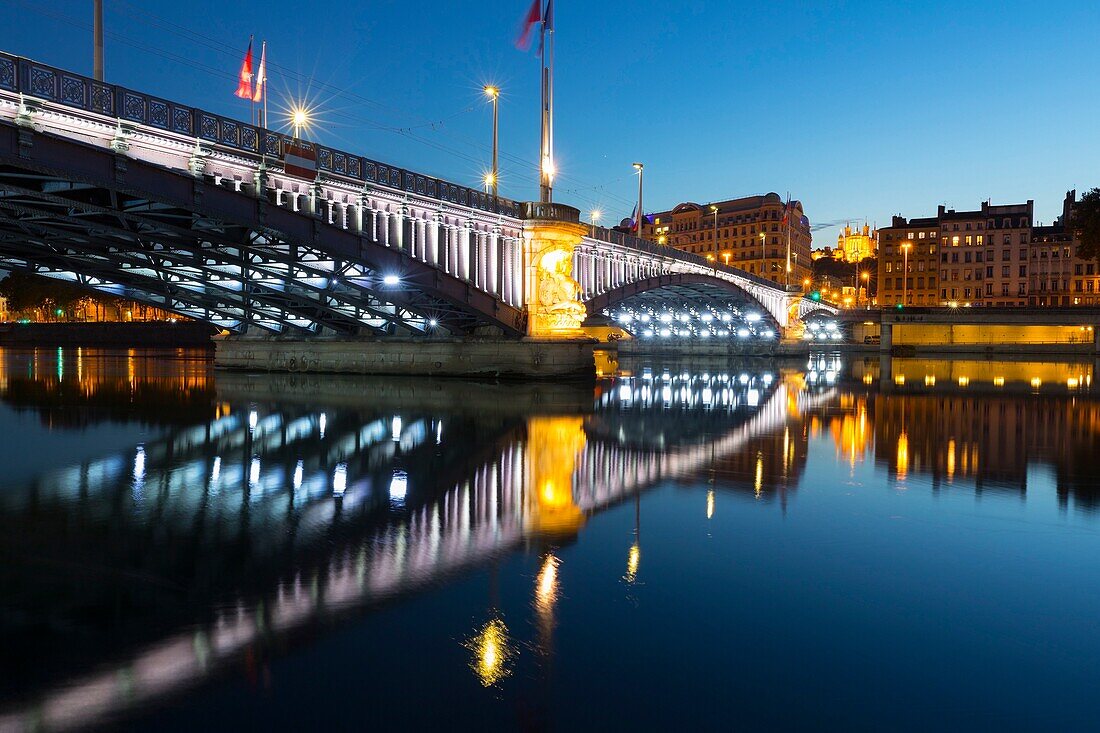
{"points": [[497, 358]]}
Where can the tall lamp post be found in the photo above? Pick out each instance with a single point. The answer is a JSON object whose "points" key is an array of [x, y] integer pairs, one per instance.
{"points": [[866, 277], [638, 167], [714, 210], [905, 247], [494, 94], [595, 215], [763, 243]]}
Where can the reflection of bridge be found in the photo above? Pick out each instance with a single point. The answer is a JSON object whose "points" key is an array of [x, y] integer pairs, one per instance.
{"points": [[278, 484], [134, 195]]}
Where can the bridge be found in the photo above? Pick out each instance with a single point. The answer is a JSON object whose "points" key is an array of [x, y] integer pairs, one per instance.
{"points": [[196, 213], [372, 503]]}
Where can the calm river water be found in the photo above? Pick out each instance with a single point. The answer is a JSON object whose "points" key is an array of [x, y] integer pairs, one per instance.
{"points": [[836, 543]]}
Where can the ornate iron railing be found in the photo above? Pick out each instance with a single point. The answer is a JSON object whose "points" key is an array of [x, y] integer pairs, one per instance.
{"points": [[48, 83], [550, 212]]}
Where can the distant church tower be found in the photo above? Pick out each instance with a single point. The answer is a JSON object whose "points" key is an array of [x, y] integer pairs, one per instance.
{"points": [[853, 246]]}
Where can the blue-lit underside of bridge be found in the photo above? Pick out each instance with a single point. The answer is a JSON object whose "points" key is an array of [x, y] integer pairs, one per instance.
{"points": [[192, 212]]}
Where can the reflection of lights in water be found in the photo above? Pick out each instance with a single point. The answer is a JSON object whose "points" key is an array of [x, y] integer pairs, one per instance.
{"points": [[758, 482], [298, 470], [254, 471], [322, 423], [903, 455], [253, 420], [710, 503], [753, 397], [950, 459], [399, 486], [340, 479], [439, 432], [395, 429], [868, 379], [139, 464], [632, 560], [216, 469], [492, 653], [546, 585]]}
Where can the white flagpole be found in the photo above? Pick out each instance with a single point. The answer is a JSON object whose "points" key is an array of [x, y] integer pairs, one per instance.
{"points": [[546, 157], [263, 59]]}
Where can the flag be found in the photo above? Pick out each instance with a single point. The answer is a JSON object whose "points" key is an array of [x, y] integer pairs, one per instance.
{"points": [[244, 85], [530, 20], [787, 212], [261, 75], [548, 16]]}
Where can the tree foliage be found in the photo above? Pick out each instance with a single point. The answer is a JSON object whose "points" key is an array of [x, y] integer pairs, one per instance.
{"points": [[1085, 223], [25, 292]]}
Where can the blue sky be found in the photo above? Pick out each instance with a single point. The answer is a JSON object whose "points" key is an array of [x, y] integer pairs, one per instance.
{"points": [[859, 109]]}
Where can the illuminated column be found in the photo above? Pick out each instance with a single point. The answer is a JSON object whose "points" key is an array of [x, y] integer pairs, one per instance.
{"points": [[433, 230], [492, 254], [463, 248]]}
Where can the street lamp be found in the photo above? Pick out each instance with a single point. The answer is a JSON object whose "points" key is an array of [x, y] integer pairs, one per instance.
{"points": [[638, 167], [299, 117], [866, 277], [494, 94], [763, 242], [905, 247], [714, 210], [594, 216]]}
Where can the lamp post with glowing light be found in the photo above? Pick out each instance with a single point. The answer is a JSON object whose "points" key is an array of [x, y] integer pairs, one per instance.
{"points": [[866, 277], [299, 117], [638, 167], [595, 215], [905, 247], [763, 242], [494, 94], [714, 210]]}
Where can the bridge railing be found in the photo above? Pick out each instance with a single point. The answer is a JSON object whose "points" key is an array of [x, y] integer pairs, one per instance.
{"points": [[39, 81], [614, 236]]}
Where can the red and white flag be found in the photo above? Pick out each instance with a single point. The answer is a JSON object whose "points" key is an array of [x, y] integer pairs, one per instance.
{"points": [[527, 25], [244, 84], [261, 75]]}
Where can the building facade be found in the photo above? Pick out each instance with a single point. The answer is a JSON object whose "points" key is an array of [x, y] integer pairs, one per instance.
{"points": [[912, 243], [993, 256], [751, 234]]}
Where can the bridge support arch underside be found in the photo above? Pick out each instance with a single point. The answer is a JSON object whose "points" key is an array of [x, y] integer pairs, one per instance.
{"points": [[214, 252], [686, 305]]}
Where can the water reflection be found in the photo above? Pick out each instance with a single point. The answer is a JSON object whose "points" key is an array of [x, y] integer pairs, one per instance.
{"points": [[269, 505]]}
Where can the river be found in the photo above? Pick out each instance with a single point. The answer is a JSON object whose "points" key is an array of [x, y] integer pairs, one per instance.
{"points": [[838, 542]]}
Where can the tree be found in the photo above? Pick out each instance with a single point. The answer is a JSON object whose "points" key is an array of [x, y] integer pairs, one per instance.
{"points": [[1085, 223]]}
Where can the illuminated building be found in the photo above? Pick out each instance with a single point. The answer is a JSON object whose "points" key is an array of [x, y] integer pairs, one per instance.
{"points": [[856, 245], [750, 234], [911, 243], [995, 255]]}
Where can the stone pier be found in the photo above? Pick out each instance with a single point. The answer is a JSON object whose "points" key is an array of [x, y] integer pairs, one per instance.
{"points": [[458, 357]]}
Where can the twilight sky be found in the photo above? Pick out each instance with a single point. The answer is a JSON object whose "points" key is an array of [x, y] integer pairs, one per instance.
{"points": [[859, 109]]}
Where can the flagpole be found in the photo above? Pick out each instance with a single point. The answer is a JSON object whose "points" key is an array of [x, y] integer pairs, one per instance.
{"points": [[263, 92], [546, 143]]}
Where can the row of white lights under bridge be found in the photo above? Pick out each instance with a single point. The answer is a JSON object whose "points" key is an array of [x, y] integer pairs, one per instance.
{"points": [[818, 331], [649, 322]]}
